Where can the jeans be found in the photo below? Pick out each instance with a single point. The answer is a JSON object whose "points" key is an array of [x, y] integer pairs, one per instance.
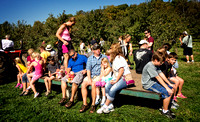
{"points": [[112, 89], [25, 78]]}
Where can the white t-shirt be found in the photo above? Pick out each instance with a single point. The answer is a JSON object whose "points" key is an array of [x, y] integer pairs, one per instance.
{"points": [[82, 46], [7, 44], [119, 62]]}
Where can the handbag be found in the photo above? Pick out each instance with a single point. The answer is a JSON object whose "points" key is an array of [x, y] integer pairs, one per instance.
{"points": [[129, 79]]}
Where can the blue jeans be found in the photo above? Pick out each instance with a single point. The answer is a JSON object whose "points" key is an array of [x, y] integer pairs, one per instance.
{"points": [[112, 89], [24, 78]]}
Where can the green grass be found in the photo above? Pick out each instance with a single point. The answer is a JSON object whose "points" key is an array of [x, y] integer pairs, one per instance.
{"points": [[16, 108]]}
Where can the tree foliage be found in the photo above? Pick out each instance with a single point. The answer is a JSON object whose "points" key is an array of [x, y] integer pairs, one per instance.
{"points": [[166, 20]]}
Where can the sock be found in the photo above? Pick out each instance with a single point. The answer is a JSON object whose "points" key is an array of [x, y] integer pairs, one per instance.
{"points": [[97, 97], [28, 87], [105, 106], [103, 100], [165, 111]]}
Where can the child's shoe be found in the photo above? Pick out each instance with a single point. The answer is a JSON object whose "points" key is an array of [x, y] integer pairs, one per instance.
{"points": [[181, 96], [103, 100], [175, 98], [17, 85], [36, 95], [21, 86], [97, 101]]}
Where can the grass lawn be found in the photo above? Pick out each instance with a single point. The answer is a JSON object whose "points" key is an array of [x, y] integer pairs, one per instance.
{"points": [[24, 108]]}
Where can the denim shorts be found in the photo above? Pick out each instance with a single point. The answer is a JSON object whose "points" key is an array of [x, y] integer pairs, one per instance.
{"points": [[158, 88], [24, 78]]}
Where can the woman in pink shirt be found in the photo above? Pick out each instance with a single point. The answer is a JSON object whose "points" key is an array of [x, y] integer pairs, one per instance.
{"points": [[63, 34]]}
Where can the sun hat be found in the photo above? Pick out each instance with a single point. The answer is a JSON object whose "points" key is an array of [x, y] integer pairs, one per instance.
{"points": [[48, 47], [143, 42], [185, 32]]}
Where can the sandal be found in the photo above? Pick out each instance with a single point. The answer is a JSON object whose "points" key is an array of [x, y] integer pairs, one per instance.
{"points": [[26, 93], [69, 104], [92, 110], [22, 93], [63, 100], [83, 108]]}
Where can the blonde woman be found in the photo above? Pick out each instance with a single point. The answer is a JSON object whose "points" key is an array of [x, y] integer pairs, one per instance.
{"points": [[120, 68], [63, 34]]}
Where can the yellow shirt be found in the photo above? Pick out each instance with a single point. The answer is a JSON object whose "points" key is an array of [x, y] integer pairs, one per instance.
{"points": [[45, 54], [22, 67]]}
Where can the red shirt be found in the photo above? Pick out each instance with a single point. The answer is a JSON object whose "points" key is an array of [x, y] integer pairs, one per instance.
{"points": [[150, 39]]}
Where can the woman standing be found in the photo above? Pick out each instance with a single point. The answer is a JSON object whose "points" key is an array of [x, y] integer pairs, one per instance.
{"points": [[63, 34], [120, 69]]}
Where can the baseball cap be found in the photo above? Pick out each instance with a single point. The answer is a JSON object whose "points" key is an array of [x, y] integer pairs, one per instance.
{"points": [[143, 42]]}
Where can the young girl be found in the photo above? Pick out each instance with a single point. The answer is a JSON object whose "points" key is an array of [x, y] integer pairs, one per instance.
{"points": [[34, 76], [22, 70], [104, 78], [52, 67]]}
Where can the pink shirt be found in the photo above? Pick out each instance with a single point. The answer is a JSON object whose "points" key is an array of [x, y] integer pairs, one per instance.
{"points": [[66, 35], [38, 68]]}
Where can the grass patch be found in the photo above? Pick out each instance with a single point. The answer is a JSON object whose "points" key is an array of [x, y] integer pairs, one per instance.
{"points": [[16, 108]]}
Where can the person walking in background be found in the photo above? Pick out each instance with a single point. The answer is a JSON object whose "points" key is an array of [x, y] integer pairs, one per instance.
{"points": [[63, 34], [150, 39], [82, 47], [187, 51]]}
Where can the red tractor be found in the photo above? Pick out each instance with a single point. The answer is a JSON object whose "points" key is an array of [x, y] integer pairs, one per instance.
{"points": [[8, 70]]}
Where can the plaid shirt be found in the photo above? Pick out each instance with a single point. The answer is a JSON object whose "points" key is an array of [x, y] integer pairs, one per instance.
{"points": [[94, 65]]}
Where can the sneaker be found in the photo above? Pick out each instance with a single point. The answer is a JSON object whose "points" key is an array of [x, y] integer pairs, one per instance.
{"points": [[97, 101], [192, 61], [175, 103], [111, 107], [100, 110], [188, 61], [169, 114], [28, 88], [36, 95], [106, 110], [21, 86], [181, 96], [174, 107], [17, 85]]}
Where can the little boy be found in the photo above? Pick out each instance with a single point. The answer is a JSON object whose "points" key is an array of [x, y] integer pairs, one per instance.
{"points": [[154, 80], [168, 71]]}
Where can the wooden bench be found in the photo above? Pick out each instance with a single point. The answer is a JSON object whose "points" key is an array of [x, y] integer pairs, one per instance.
{"points": [[136, 90]]}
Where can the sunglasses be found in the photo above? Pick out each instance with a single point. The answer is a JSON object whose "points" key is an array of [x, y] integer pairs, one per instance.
{"points": [[72, 55], [145, 33]]}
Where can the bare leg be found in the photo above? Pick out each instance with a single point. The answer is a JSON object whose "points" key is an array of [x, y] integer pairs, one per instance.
{"points": [[180, 85], [18, 78], [50, 83], [103, 91], [192, 57], [93, 92], [84, 91], [63, 88], [32, 84], [66, 58], [46, 83], [74, 89], [176, 81], [187, 57]]}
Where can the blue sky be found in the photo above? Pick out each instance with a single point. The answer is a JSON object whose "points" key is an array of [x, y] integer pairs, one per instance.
{"points": [[33, 10]]}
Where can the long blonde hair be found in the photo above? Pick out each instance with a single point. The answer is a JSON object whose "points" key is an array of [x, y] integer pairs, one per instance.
{"points": [[71, 19], [106, 61], [18, 60], [115, 50]]}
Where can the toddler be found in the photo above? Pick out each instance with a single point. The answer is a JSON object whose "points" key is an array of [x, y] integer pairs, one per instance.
{"points": [[105, 76]]}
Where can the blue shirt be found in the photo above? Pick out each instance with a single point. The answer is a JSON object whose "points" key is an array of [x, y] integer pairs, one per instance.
{"points": [[77, 65], [94, 65]]}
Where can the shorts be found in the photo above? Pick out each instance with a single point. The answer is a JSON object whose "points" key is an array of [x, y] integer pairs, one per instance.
{"points": [[36, 77], [77, 79], [187, 51], [160, 89], [25, 78]]}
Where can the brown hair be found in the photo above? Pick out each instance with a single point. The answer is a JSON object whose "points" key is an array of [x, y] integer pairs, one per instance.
{"points": [[173, 55], [115, 50], [159, 56]]}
